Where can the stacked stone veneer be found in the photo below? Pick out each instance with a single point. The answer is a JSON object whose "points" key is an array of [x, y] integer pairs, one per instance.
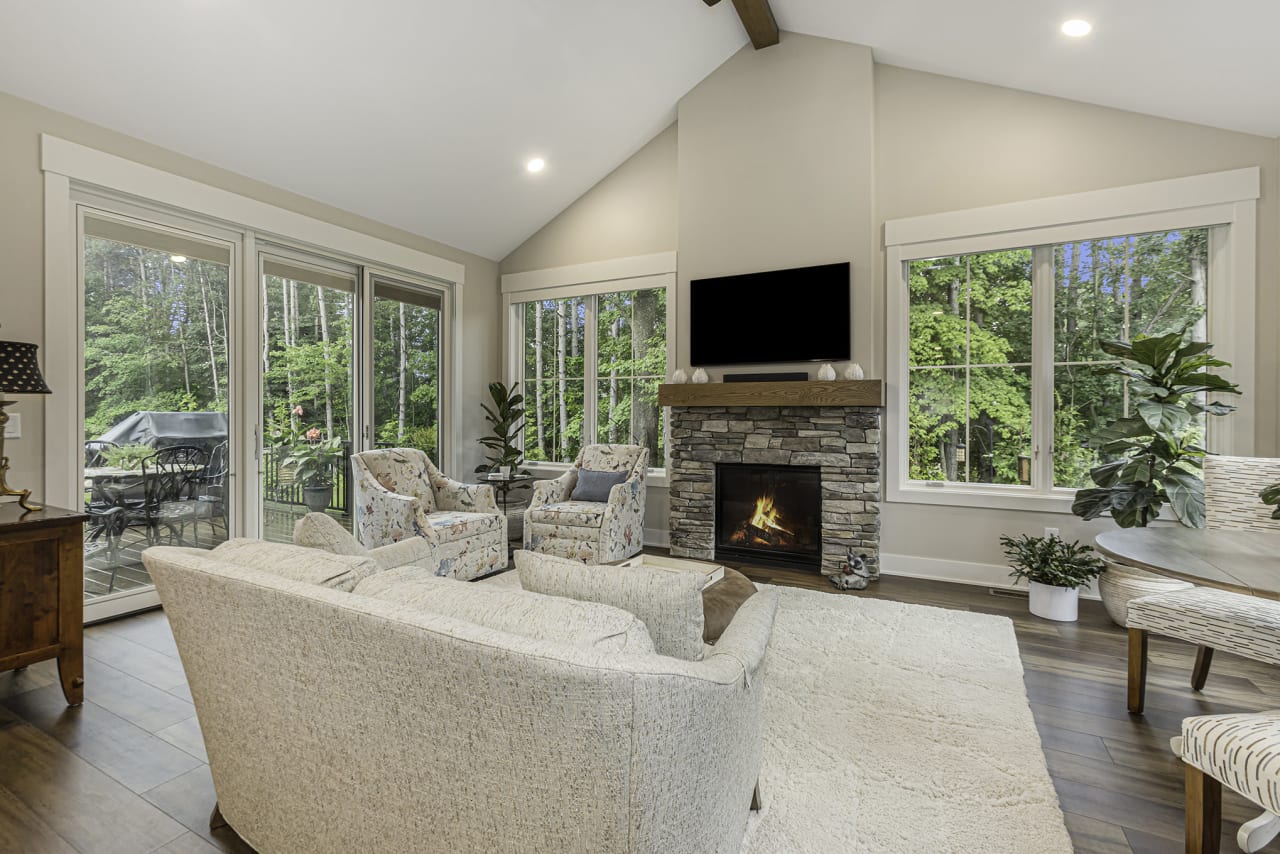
{"points": [[843, 441]]}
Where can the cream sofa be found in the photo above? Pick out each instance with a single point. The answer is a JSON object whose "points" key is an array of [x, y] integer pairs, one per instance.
{"points": [[336, 722]]}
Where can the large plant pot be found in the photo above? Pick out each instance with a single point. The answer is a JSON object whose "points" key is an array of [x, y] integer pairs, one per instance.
{"points": [[1055, 603], [1120, 583], [317, 498]]}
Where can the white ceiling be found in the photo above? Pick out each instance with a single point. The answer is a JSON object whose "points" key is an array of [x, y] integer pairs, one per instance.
{"points": [[421, 113]]}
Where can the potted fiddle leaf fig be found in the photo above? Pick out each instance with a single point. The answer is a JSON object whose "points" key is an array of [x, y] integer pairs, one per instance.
{"points": [[1151, 457], [1055, 571], [506, 419]]}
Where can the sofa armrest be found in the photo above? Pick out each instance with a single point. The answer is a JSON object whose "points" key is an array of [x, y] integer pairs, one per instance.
{"points": [[552, 491], [465, 497]]}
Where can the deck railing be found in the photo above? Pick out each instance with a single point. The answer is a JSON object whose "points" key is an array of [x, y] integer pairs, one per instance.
{"points": [[278, 484]]}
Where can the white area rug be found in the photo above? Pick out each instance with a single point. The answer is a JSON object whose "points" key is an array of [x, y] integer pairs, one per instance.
{"points": [[899, 728]]}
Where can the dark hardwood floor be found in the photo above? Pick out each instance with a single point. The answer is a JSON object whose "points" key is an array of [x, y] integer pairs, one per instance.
{"points": [[126, 772]]}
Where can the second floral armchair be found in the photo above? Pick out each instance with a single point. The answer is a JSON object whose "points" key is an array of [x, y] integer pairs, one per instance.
{"points": [[591, 531], [400, 494]]}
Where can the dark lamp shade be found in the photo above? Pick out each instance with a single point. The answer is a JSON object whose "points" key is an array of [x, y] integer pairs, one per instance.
{"points": [[19, 370]]}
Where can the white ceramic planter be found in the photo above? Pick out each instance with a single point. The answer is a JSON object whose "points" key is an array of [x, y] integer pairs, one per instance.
{"points": [[1055, 603]]}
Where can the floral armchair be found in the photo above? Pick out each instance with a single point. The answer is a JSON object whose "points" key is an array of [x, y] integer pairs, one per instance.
{"points": [[401, 494], [592, 532]]}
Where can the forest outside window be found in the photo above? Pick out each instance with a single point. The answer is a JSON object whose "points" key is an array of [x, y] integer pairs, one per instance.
{"points": [[987, 394], [591, 368]]}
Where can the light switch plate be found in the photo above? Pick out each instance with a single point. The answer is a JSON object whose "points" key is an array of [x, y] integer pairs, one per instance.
{"points": [[13, 430]]}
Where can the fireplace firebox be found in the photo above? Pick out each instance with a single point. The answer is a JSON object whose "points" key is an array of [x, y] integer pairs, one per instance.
{"points": [[769, 514]]}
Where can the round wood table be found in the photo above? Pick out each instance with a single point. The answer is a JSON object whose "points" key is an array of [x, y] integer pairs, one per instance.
{"points": [[1241, 561]]}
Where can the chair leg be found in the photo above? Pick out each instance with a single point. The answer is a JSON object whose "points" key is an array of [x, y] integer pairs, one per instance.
{"points": [[756, 801], [1204, 812], [1204, 657], [1137, 670], [216, 821]]}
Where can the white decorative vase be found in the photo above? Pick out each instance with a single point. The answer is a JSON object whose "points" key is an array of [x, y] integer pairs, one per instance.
{"points": [[853, 372], [826, 373], [679, 377], [1120, 583], [1055, 603], [700, 376]]}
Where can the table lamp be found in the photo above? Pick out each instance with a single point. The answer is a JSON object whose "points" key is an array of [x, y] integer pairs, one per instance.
{"points": [[19, 374]]}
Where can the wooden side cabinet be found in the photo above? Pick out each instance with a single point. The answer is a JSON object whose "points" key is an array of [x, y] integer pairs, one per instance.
{"points": [[42, 592]]}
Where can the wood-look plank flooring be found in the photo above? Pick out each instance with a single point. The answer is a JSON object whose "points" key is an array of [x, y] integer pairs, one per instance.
{"points": [[127, 771]]}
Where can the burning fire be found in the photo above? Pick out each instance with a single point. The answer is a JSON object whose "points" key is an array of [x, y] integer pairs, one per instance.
{"points": [[766, 517]]}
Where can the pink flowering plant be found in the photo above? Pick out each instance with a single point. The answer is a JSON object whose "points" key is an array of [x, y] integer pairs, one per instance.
{"points": [[312, 457]]}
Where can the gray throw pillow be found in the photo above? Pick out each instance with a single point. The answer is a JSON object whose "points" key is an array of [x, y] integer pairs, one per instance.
{"points": [[595, 485]]}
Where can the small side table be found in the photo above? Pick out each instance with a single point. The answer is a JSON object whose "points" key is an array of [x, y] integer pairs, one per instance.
{"points": [[42, 592], [504, 485]]}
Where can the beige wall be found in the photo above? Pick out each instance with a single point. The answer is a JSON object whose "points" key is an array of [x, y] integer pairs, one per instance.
{"points": [[630, 212], [22, 239], [776, 171], [799, 153]]}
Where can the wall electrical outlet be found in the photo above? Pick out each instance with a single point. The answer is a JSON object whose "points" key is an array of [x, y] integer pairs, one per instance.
{"points": [[13, 430], [1052, 532]]}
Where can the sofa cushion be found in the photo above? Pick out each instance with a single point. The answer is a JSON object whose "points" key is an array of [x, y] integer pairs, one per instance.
{"points": [[669, 603], [451, 525], [569, 514], [321, 531], [298, 563], [595, 485], [585, 624]]}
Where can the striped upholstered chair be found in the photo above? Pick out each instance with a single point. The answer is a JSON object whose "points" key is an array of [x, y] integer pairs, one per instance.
{"points": [[1241, 752], [1213, 619]]}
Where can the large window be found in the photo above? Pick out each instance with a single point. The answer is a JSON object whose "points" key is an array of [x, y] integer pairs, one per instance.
{"points": [[590, 366], [996, 378], [971, 349]]}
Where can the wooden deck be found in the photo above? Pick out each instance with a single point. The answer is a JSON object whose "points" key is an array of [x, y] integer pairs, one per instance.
{"points": [[126, 772]]}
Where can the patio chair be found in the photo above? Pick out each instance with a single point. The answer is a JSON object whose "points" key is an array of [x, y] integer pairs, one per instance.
{"points": [[168, 479], [210, 487]]}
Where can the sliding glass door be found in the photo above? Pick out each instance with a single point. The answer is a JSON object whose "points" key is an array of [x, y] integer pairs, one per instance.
{"points": [[308, 419], [156, 343], [406, 367], [350, 360]]}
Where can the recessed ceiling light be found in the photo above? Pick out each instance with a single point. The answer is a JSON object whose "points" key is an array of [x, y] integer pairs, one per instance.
{"points": [[178, 259], [1076, 28], [537, 164]]}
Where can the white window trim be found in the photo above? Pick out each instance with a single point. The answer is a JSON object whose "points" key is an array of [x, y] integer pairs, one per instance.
{"points": [[133, 188], [580, 280], [1211, 200]]}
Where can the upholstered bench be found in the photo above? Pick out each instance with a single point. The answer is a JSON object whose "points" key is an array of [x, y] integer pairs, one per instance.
{"points": [[1242, 752], [1211, 619]]}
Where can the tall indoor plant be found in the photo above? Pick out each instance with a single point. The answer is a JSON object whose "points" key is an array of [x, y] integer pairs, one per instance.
{"points": [[1151, 456], [506, 421], [1055, 570]]}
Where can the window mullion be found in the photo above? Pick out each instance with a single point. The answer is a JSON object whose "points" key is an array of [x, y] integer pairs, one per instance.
{"points": [[1042, 369], [590, 391]]}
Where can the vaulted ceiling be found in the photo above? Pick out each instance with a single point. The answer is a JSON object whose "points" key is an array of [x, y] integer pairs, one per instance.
{"points": [[422, 113]]}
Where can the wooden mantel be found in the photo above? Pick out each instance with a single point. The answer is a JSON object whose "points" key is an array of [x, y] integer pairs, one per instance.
{"points": [[813, 393]]}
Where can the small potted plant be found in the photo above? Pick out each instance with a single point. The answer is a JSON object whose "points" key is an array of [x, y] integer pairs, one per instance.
{"points": [[312, 460], [1055, 569]]}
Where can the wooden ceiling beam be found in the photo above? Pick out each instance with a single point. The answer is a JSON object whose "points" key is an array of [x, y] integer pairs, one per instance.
{"points": [[757, 20]]}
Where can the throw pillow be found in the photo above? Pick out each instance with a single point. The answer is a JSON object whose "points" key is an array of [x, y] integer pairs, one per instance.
{"points": [[721, 601], [312, 566], [595, 485], [669, 603], [321, 531], [517, 612]]}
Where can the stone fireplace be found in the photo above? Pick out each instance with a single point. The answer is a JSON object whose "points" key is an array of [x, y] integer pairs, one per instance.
{"points": [[836, 446]]}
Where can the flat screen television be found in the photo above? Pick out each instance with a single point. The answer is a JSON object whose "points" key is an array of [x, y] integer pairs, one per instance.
{"points": [[799, 315]]}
